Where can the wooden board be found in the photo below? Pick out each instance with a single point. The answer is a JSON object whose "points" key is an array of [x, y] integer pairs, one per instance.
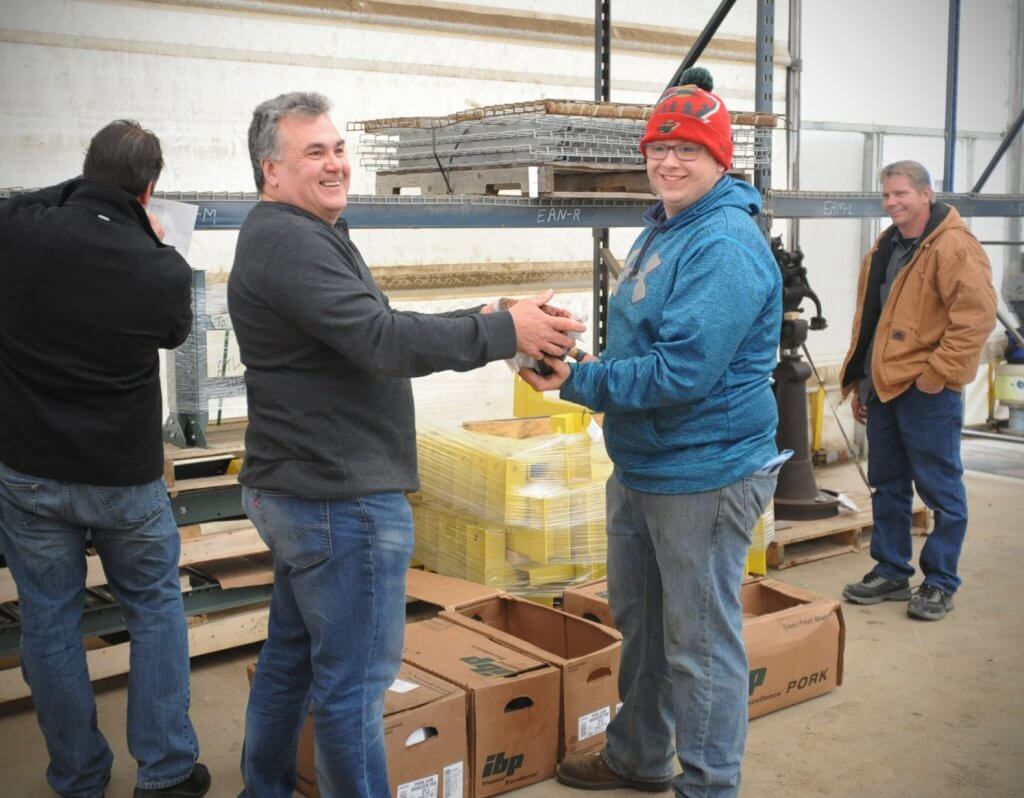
{"points": [[513, 427], [798, 542], [226, 443], [214, 632], [600, 110], [227, 438], [194, 550]]}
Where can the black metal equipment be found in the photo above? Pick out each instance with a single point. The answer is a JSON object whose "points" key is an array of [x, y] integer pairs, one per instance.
{"points": [[797, 496]]}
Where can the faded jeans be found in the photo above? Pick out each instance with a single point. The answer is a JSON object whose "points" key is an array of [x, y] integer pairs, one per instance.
{"points": [[337, 623], [43, 526], [675, 565]]}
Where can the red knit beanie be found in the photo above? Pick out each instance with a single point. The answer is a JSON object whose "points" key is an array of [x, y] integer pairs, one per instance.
{"points": [[692, 113]]}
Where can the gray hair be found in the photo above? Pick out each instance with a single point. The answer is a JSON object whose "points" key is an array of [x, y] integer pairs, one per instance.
{"points": [[264, 138], [912, 170]]}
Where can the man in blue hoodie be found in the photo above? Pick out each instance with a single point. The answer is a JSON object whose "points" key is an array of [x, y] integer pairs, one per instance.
{"points": [[690, 418]]}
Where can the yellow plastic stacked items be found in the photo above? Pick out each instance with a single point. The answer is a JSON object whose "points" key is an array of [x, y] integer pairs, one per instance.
{"points": [[514, 504], [764, 534]]}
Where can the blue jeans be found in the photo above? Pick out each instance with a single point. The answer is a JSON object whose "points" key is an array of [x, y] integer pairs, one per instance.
{"points": [[914, 440], [337, 622], [675, 565], [43, 526]]}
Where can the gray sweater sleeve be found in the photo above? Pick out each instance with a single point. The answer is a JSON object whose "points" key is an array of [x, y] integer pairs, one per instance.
{"points": [[316, 284]]}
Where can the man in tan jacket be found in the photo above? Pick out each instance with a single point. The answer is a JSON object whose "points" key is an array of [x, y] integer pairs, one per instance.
{"points": [[925, 308]]}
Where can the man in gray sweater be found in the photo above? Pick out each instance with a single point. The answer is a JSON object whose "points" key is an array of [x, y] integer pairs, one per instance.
{"points": [[331, 449]]}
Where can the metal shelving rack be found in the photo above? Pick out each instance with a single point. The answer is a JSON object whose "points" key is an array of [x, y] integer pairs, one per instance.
{"points": [[227, 211], [189, 385], [224, 211]]}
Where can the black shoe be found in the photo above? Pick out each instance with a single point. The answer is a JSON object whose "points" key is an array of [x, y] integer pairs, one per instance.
{"points": [[195, 786], [930, 603], [874, 588]]}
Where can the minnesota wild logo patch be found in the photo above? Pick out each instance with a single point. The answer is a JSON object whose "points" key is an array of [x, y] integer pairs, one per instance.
{"points": [[689, 100]]}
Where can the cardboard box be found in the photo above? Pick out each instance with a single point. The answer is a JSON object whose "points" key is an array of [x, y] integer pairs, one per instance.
{"points": [[444, 592], [795, 639], [513, 703], [425, 739], [590, 602], [586, 653], [795, 643]]}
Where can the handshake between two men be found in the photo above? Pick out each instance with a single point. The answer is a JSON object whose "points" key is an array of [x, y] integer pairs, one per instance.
{"points": [[542, 330], [543, 333]]}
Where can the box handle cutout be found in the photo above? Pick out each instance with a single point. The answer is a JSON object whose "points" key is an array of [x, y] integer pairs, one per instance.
{"points": [[420, 736], [600, 673], [516, 704], [591, 617]]}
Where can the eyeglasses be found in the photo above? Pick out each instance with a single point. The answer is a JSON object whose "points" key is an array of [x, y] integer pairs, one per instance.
{"points": [[684, 152]]}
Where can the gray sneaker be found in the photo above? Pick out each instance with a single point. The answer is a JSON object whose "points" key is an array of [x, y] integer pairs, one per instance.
{"points": [[873, 589], [930, 603]]}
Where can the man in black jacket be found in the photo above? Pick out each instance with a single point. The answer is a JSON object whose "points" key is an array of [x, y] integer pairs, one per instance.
{"points": [[331, 449], [88, 294]]}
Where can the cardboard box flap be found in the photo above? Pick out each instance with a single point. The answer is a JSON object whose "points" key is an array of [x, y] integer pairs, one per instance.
{"points": [[596, 589], [463, 656], [549, 630], [414, 688], [445, 592], [770, 596]]}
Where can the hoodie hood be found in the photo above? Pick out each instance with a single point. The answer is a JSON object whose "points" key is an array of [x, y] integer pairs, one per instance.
{"points": [[727, 192]]}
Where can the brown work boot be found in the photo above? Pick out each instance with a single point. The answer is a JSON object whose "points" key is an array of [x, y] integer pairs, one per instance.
{"points": [[590, 772]]}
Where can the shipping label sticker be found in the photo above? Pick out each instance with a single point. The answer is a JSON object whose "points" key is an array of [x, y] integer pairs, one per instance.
{"points": [[453, 780], [594, 723], [402, 686], [421, 788]]}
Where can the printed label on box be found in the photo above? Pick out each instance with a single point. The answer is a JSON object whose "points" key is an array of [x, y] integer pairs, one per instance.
{"points": [[402, 686], [421, 788], [594, 722], [453, 781]]}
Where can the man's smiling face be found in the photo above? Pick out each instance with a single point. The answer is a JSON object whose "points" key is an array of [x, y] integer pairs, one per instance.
{"points": [[313, 172], [907, 206]]}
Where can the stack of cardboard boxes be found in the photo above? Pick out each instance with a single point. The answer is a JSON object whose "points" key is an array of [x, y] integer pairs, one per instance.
{"points": [[495, 689]]}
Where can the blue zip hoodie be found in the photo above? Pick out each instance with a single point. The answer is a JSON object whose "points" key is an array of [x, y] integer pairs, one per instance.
{"points": [[693, 329]]}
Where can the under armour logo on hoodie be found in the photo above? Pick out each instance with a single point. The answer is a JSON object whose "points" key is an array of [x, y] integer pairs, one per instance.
{"points": [[640, 289], [627, 270]]}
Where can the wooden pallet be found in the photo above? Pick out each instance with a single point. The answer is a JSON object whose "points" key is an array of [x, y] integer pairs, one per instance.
{"points": [[798, 542], [206, 634], [200, 543], [543, 180], [227, 444]]}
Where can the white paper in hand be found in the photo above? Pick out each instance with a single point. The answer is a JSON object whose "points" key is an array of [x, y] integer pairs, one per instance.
{"points": [[178, 220]]}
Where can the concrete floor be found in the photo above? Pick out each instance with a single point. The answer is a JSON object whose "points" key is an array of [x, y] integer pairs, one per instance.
{"points": [[926, 710]]}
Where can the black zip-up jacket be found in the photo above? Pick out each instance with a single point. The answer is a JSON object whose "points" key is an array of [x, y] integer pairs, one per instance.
{"points": [[328, 360], [88, 294]]}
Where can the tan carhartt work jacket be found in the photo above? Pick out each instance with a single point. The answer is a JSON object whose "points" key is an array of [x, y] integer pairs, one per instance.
{"points": [[940, 311]]}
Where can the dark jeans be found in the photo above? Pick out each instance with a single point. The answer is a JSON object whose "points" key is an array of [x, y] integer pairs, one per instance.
{"points": [[337, 622], [43, 525], [914, 441]]}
